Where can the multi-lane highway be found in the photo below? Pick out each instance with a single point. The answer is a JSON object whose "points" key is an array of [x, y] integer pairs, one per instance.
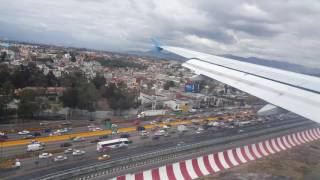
{"points": [[31, 169]]}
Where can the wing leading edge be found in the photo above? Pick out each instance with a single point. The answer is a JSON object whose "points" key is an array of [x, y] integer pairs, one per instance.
{"points": [[295, 92]]}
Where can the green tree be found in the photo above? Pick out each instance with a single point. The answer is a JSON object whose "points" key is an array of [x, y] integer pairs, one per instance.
{"points": [[99, 81], [73, 57], [6, 96], [120, 97], [28, 106], [3, 56], [168, 84]]}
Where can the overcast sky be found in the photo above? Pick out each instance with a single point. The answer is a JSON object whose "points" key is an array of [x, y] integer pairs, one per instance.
{"points": [[281, 30]]}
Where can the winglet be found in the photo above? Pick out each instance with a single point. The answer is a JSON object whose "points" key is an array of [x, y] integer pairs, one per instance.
{"points": [[157, 44]]}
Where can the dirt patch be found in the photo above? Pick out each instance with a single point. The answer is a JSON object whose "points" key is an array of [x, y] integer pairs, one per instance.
{"points": [[299, 163]]}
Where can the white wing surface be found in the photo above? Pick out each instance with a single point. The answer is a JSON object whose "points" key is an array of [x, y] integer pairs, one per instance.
{"points": [[298, 93]]}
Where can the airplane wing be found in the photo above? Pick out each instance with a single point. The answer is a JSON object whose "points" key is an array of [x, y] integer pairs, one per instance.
{"points": [[298, 93]]}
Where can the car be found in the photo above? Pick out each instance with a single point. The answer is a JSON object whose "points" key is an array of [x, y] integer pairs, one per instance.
{"points": [[125, 135], [78, 152], [64, 130], [38, 142], [166, 134], [160, 133], [240, 131], [95, 129], [35, 134], [77, 139], [103, 137], [44, 123], [45, 155], [68, 151], [181, 143], [153, 122], [47, 130], [60, 158], [140, 128], [66, 123], [144, 133], [95, 141], [29, 136], [65, 144], [166, 127], [104, 157], [155, 138], [24, 132]]}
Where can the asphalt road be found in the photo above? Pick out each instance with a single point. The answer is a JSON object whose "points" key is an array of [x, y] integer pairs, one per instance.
{"points": [[30, 169]]}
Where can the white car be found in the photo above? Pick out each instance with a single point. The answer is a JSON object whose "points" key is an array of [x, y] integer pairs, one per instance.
{"points": [[24, 132], [78, 139], [60, 158], [68, 151], [95, 129], [166, 127], [144, 133], [160, 133], [45, 155], [78, 152]]}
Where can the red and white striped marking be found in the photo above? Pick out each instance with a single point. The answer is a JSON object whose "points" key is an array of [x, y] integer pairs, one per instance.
{"points": [[213, 163]]}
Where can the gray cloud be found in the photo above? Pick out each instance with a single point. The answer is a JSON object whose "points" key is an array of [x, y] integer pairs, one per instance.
{"points": [[283, 30]]}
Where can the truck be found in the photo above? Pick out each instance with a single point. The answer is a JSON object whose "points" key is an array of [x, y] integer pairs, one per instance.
{"points": [[152, 113], [34, 147]]}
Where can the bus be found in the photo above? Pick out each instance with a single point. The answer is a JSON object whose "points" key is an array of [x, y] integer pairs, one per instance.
{"points": [[111, 144]]}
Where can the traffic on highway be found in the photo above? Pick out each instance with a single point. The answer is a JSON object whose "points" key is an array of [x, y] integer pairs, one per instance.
{"points": [[39, 157]]}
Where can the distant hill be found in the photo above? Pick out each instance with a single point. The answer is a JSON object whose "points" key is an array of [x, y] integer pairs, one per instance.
{"points": [[265, 62], [277, 64], [156, 54]]}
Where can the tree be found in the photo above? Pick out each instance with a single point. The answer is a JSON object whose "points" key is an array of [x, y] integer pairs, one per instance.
{"points": [[28, 105], [99, 81], [73, 57], [82, 95], [120, 97], [3, 56], [52, 80], [6, 96], [168, 84], [87, 96]]}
